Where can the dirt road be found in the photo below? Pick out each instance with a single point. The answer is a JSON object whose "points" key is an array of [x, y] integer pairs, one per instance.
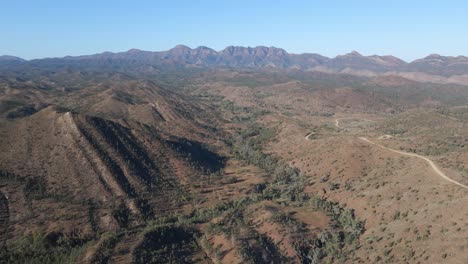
{"points": [[308, 135], [337, 121], [430, 162], [433, 166]]}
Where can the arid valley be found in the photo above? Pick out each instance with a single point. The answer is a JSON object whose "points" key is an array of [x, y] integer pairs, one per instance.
{"points": [[247, 155]]}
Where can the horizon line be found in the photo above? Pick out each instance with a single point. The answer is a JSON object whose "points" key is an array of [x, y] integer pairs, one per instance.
{"points": [[218, 51]]}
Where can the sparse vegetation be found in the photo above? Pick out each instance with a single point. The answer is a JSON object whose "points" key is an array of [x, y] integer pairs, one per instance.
{"points": [[40, 248], [177, 166]]}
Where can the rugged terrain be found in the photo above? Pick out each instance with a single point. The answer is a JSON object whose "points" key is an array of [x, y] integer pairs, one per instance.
{"points": [[247, 155]]}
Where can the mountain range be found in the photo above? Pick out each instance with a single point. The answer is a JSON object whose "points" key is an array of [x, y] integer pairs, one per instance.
{"points": [[439, 68]]}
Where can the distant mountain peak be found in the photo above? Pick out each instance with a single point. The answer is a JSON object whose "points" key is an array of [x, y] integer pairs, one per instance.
{"points": [[181, 47], [134, 50], [204, 48], [354, 53], [434, 56], [6, 58], [350, 54]]}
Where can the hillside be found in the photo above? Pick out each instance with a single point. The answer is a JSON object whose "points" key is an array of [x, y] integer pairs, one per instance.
{"points": [[247, 155], [96, 167], [317, 121], [96, 158]]}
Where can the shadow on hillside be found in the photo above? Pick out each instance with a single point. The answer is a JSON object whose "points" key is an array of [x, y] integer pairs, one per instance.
{"points": [[198, 154]]}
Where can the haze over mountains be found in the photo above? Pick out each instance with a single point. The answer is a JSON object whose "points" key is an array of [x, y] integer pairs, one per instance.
{"points": [[433, 68]]}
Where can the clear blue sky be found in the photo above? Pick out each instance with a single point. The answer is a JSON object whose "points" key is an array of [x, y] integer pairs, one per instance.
{"points": [[409, 29]]}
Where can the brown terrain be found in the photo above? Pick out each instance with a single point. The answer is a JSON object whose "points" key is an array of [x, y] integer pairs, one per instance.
{"points": [[246, 155]]}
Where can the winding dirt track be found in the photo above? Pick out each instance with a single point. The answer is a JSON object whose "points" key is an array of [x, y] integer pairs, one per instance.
{"points": [[308, 135], [337, 121], [431, 163]]}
